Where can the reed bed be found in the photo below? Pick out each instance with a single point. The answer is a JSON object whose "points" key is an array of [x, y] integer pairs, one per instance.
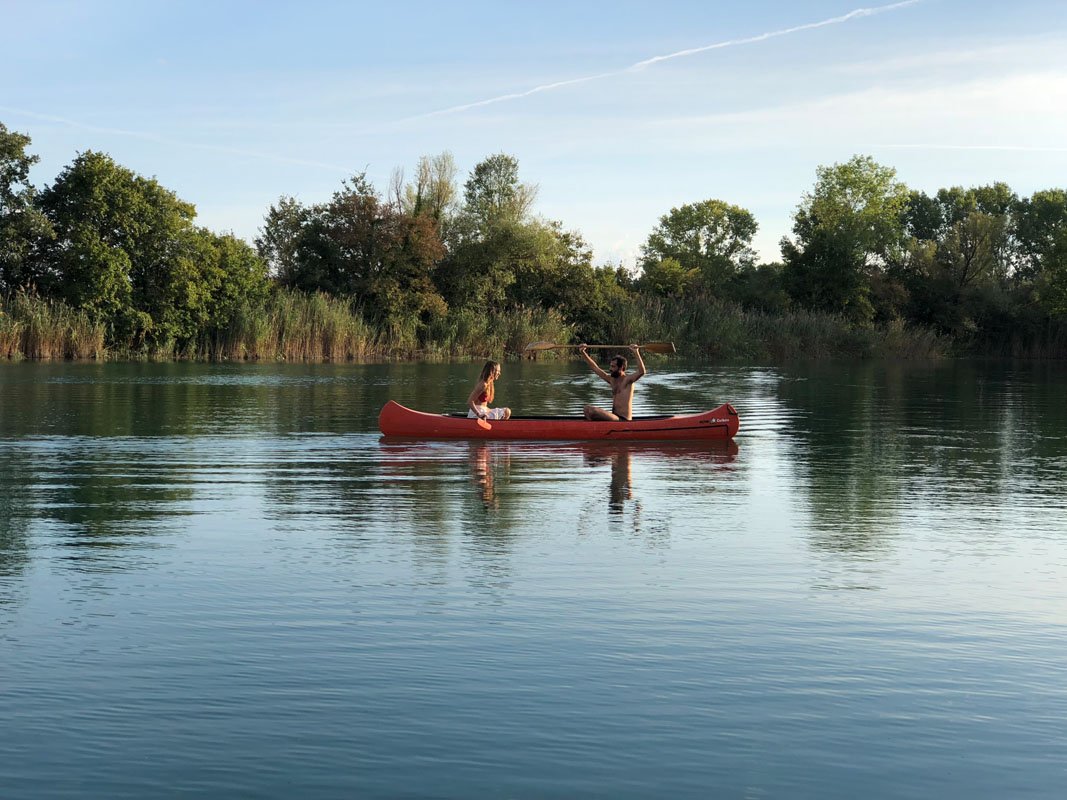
{"points": [[465, 333], [35, 328], [724, 331], [313, 327]]}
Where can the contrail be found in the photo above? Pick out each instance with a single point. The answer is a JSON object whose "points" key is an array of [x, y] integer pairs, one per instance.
{"points": [[640, 65], [149, 137]]}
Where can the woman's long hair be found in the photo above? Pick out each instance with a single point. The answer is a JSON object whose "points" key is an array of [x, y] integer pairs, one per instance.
{"points": [[488, 369]]}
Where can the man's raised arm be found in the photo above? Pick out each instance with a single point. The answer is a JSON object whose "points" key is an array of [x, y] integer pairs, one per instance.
{"points": [[640, 363], [596, 367]]}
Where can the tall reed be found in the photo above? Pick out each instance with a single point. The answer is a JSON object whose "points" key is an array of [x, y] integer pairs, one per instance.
{"points": [[465, 333], [715, 329], [299, 326], [292, 326], [34, 328]]}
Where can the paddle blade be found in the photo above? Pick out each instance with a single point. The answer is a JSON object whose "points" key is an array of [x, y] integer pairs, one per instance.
{"points": [[659, 347], [484, 424], [534, 347]]}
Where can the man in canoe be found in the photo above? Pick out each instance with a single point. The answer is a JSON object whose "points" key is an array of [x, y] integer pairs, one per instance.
{"points": [[483, 393], [622, 386]]}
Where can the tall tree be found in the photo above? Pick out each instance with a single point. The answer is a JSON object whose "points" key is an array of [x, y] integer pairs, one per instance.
{"points": [[23, 228], [127, 251], [492, 238], [279, 238], [433, 191], [493, 194], [358, 245], [853, 223], [1054, 274], [1040, 222], [711, 239]]}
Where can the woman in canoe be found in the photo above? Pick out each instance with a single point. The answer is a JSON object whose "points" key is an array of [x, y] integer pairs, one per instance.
{"points": [[483, 394]]}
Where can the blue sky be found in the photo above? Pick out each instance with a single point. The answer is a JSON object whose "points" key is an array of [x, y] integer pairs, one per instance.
{"points": [[234, 104]]}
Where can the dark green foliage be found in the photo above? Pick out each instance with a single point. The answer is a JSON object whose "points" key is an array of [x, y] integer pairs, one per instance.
{"points": [[105, 257], [1041, 232], [761, 289], [847, 230], [698, 247], [23, 228], [493, 195], [125, 250], [362, 247], [828, 275], [122, 249]]}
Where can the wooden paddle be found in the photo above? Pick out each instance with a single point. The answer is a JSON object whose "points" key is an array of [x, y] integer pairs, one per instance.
{"points": [[484, 424], [652, 347]]}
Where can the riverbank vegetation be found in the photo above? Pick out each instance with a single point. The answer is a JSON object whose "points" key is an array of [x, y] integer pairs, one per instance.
{"points": [[105, 263]]}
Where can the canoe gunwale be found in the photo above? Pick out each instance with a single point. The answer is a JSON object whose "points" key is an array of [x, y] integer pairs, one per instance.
{"points": [[398, 421], [460, 415]]}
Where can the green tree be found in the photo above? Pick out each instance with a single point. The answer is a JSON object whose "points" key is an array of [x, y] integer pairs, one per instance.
{"points": [[712, 238], [849, 226], [668, 278], [361, 246], [494, 196], [236, 278], [828, 274], [1054, 274], [279, 240], [971, 252], [493, 239], [433, 190], [1040, 221], [924, 217], [961, 254], [860, 203], [761, 288], [556, 271], [127, 251], [23, 228]]}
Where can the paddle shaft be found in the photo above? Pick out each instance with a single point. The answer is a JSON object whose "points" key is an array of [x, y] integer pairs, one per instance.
{"points": [[652, 347]]}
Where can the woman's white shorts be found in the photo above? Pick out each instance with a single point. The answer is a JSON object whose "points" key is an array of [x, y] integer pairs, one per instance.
{"points": [[490, 413]]}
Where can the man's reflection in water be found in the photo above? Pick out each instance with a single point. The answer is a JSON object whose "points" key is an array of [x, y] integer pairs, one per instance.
{"points": [[621, 487]]}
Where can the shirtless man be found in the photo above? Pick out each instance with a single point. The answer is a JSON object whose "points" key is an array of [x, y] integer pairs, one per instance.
{"points": [[622, 386]]}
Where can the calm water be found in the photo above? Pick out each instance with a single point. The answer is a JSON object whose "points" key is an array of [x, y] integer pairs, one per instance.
{"points": [[220, 581]]}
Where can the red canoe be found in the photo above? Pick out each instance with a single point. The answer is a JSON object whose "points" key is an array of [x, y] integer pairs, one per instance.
{"points": [[719, 423]]}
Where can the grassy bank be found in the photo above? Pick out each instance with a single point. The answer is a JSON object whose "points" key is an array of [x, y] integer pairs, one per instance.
{"points": [[297, 326], [290, 326], [723, 331], [314, 327]]}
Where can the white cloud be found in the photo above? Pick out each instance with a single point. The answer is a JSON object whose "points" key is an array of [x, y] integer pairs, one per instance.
{"points": [[1023, 112]]}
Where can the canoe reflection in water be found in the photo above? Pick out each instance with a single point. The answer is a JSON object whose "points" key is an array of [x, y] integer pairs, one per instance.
{"points": [[511, 464]]}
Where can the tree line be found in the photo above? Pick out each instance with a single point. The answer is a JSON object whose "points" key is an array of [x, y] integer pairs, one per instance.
{"points": [[433, 263]]}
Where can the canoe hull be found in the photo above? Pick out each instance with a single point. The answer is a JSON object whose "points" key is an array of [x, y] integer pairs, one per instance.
{"points": [[719, 423]]}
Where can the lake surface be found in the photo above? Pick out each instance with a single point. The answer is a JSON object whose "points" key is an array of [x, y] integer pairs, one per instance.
{"points": [[219, 581]]}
